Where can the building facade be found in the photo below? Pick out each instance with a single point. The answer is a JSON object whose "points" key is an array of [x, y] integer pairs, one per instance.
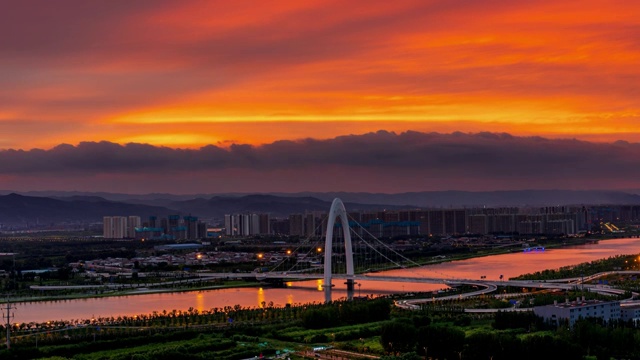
{"points": [[247, 224], [114, 227], [570, 312], [630, 313]]}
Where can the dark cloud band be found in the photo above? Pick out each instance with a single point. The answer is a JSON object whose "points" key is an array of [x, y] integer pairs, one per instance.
{"points": [[482, 155]]}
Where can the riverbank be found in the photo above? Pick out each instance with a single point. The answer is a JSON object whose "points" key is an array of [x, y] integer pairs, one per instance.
{"points": [[484, 267], [128, 292], [243, 284], [513, 249]]}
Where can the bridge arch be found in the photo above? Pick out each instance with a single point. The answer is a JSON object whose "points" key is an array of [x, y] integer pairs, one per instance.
{"points": [[337, 210]]}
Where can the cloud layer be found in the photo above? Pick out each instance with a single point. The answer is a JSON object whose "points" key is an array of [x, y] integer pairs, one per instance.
{"points": [[381, 161], [191, 73]]}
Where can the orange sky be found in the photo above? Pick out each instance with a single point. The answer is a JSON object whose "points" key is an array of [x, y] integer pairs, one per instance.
{"points": [[190, 73]]}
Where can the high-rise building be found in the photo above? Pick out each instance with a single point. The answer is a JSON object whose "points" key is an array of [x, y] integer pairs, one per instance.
{"points": [[309, 225], [265, 224], [230, 225], [114, 227], [191, 225], [279, 226], [436, 222], [246, 224], [478, 224], [133, 222], [172, 228], [254, 225], [202, 230], [422, 216], [296, 225]]}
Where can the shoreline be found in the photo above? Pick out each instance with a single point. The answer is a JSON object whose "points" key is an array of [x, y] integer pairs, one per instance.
{"points": [[131, 292], [137, 291]]}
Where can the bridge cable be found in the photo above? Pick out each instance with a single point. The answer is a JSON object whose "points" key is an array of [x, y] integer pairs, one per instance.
{"points": [[397, 253], [305, 242]]}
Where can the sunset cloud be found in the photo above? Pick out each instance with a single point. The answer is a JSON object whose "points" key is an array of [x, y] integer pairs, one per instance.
{"points": [[187, 74]]}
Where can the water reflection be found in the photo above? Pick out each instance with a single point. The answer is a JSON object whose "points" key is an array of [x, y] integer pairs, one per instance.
{"points": [[200, 301], [261, 301], [508, 265]]}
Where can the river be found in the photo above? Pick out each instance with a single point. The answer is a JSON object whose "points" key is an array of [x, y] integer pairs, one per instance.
{"points": [[508, 265]]}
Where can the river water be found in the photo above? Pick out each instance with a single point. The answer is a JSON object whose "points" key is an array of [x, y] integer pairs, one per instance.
{"points": [[508, 265]]}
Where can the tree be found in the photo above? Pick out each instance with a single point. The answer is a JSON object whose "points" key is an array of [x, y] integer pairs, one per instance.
{"points": [[440, 342], [481, 346], [398, 336]]}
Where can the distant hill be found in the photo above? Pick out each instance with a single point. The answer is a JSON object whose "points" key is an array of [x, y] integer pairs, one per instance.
{"points": [[437, 199], [106, 195], [218, 206], [84, 207], [452, 198], [20, 210]]}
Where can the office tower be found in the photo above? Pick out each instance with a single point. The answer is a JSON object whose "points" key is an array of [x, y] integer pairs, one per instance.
{"points": [[133, 222], [114, 227]]}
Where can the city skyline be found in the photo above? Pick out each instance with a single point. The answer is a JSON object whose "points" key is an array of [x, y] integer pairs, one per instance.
{"points": [[186, 97]]}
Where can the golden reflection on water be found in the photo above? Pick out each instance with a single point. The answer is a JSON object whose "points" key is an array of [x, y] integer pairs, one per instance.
{"points": [[261, 297], [289, 284], [200, 301]]}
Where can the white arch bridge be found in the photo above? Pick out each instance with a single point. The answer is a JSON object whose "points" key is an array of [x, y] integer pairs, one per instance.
{"points": [[350, 277], [338, 211]]}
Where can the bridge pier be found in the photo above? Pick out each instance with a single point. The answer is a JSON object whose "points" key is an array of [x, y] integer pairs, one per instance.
{"points": [[350, 288], [327, 292], [350, 284]]}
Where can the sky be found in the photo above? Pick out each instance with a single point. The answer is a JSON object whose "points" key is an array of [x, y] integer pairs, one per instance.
{"points": [[258, 96]]}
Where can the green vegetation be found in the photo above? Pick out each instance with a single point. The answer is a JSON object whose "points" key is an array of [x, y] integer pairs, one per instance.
{"points": [[441, 330], [615, 271], [614, 263], [227, 333]]}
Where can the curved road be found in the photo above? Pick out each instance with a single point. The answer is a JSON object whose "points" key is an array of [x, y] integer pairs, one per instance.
{"points": [[490, 286]]}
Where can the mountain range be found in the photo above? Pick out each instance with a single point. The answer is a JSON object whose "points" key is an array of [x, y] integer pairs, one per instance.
{"points": [[23, 210], [18, 209], [74, 207]]}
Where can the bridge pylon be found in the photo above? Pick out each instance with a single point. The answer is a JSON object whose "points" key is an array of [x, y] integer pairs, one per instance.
{"points": [[337, 210]]}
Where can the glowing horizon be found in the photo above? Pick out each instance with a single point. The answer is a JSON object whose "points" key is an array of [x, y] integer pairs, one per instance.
{"points": [[190, 74]]}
